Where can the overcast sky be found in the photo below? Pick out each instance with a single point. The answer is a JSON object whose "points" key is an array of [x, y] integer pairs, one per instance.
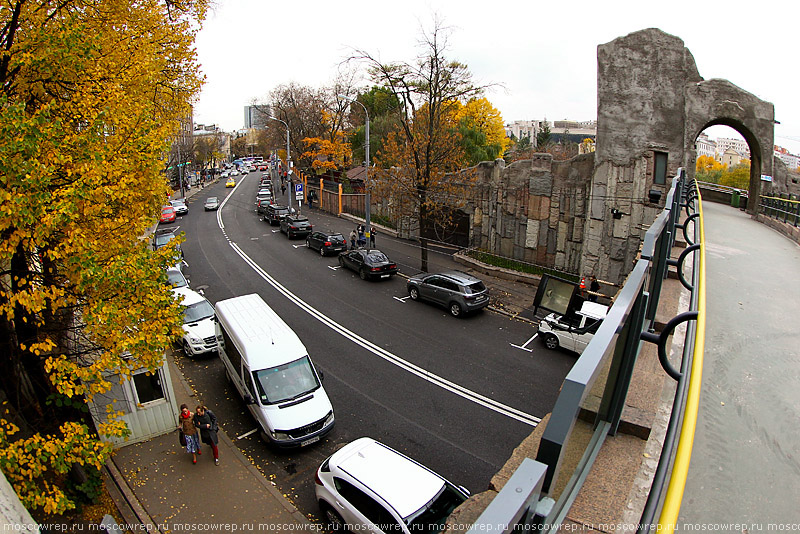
{"points": [[544, 54]]}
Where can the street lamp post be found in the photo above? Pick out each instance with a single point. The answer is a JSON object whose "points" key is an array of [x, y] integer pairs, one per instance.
{"points": [[368, 229], [291, 193]]}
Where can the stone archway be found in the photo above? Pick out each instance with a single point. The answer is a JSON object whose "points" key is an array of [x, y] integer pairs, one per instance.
{"points": [[713, 102], [652, 104]]}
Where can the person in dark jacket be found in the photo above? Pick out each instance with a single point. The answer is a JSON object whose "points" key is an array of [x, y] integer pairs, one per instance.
{"points": [[206, 421], [594, 287]]}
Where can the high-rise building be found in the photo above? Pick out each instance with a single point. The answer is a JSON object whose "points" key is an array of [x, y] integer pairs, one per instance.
{"points": [[256, 117]]}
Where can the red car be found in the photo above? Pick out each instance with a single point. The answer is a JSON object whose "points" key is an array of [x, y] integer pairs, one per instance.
{"points": [[167, 215]]}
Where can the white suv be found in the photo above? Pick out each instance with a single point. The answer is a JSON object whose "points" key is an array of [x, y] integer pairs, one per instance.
{"points": [[199, 336], [572, 331], [368, 486]]}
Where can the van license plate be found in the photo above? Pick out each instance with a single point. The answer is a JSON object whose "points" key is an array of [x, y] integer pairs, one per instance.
{"points": [[309, 441]]}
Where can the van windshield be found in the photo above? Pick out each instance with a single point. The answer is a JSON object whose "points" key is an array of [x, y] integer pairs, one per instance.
{"points": [[286, 382]]}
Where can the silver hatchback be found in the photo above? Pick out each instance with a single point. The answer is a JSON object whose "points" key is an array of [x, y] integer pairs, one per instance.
{"points": [[459, 292]]}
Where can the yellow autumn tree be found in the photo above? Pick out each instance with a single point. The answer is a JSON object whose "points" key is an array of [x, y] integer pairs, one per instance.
{"points": [[328, 153], [90, 94], [482, 130], [708, 169]]}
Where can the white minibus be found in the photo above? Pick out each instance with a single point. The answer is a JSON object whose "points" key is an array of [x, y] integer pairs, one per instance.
{"points": [[270, 367]]}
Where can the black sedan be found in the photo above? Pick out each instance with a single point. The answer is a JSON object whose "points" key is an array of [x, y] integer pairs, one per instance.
{"points": [[372, 264], [326, 242]]}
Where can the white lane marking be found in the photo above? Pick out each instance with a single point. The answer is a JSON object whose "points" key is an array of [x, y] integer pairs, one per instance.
{"points": [[299, 246], [248, 433], [434, 379], [334, 267], [525, 345], [401, 299]]}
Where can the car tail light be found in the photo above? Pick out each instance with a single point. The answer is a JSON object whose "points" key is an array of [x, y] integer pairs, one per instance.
{"points": [[393, 266], [375, 269], [293, 227], [328, 243], [317, 480]]}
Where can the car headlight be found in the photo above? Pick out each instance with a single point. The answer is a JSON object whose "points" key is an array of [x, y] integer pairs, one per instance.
{"points": [[194, 340], [279, 436], [329, 419]]}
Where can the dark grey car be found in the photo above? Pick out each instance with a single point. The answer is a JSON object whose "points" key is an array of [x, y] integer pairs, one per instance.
{"points": [[295, 226], [459, 292], [326, 242]]}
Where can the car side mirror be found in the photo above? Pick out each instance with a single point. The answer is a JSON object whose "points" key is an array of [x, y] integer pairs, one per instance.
{"points": [[248, 399], [321, 375]]}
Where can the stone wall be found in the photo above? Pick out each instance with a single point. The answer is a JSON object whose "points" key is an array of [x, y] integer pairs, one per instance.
{"points": [[532, 210]]}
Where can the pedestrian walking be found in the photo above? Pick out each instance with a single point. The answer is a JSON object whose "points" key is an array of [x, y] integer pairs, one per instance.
{"points": [[311, 197], [186, 425], [283, 187], [205, 420], [372, 237], [352, 239]]}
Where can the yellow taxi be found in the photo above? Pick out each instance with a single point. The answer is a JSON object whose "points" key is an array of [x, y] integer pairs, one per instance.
{"points": [[230, 183]]}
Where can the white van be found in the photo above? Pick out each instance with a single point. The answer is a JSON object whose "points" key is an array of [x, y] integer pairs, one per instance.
{"points": [[270, 368], [572, 331]]}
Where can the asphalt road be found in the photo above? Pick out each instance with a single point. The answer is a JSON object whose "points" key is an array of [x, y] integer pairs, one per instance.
{"points": [[451, 393]]}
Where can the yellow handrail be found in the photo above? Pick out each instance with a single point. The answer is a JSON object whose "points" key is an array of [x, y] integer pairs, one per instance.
{"points": [[680, 468]]}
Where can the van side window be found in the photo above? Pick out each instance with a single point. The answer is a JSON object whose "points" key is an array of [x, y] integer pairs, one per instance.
{"points": [[248, 378], [231, 350]]}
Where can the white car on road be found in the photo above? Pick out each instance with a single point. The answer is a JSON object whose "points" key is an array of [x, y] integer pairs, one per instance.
{"points": [[572, 331], [369, 486]]}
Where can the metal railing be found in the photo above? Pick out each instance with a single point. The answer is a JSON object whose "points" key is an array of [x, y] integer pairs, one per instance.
{"points": [[782, 209], [598, 383]]}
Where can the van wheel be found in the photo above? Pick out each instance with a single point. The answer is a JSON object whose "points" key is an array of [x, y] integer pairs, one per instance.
{"points": [[455, 309], [333, 519], [413, 292], [551, 341]]}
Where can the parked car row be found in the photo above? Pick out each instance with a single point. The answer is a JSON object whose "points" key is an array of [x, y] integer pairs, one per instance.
{"points": [[365, 484]]}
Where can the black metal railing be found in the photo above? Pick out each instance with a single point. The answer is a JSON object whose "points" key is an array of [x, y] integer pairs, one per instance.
{"points": [[598, 383], [782, 209]]}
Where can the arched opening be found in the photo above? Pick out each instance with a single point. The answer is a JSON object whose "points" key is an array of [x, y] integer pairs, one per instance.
{"points": [[729, 154]]}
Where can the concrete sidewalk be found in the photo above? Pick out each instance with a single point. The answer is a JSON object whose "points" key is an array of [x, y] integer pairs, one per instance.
{"points": [[179, 496]]}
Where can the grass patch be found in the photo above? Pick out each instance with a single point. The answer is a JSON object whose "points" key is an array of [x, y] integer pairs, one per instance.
{"points": [[517, 265]]}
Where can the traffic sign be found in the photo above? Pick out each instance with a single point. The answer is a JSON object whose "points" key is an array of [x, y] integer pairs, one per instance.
{"points": [[298, 191]]}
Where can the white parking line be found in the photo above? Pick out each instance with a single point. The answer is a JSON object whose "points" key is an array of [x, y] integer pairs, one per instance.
{"points": [[300, 246], [525, 345], [334, 267], [248, 433], [401, 299]]}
